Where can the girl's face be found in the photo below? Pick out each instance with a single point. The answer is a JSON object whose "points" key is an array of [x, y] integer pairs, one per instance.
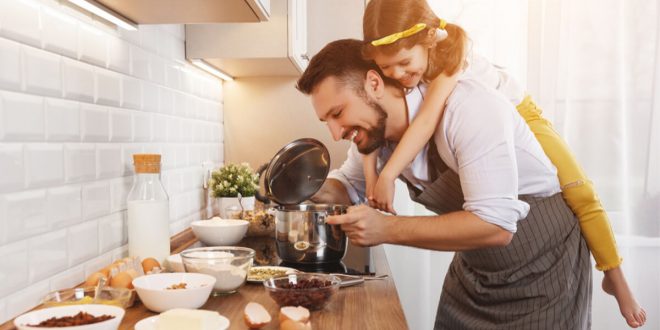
{"points": [[407, 66]]}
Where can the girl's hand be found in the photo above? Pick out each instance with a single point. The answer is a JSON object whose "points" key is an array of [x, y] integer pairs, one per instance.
{"points": [[384, 194], [370, 186]]}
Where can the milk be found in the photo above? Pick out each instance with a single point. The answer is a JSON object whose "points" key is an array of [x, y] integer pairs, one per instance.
{"points": [[148, 229]]}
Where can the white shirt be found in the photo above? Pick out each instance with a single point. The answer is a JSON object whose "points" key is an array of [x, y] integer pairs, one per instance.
{"points": [[491, 75], [483, 139]]}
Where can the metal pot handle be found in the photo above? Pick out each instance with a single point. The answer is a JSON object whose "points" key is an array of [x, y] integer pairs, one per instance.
{"points": [[320, 220], [258, 195]]}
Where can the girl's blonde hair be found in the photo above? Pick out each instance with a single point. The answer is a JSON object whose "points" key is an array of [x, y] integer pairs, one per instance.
{"points": [[385, 17]]}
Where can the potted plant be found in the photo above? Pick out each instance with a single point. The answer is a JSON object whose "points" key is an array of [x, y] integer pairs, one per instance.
{"points": [[234, 185]]}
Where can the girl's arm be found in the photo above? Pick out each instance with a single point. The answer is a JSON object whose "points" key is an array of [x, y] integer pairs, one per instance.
{"points": [[415, 138], [370, 174]]}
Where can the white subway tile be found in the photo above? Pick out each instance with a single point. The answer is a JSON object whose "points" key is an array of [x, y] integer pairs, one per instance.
{"points": [[150, 37], [140, 65], [218, 154], [191, 106], [168, 156], [119, 55], [121, 123], [172, 75], [97, 264], [14, 267], [96, 199], [173, 129], [150, 96], [119, 189], [132, 37], [180, 103], [94, 123], [186, 130], [23, 214], [22, 117], [59, 32], [177, 30], [13, 168], [131, 93], [158, 70], [109, 162], [20, 21], [79, 162], [25, 299], [93, 45], [64, 206], [108, 87], [178, 48], [142, 126], [166, 100], [198, 131], [83, 242], [44, 164], [187, 80], [112, 232], [218, 133], [68, 279], [128, 151], [160, 127], [78, 80], [181, 155], [195, 154], [10, 68], [47, 255], [62, 120]]}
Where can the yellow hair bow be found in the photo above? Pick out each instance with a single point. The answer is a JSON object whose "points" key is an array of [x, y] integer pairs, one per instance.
{"points": [[386, 40]]}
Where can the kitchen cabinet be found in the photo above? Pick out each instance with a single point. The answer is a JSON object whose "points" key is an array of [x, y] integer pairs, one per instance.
{"points": [[190, 11], [276, 47]]}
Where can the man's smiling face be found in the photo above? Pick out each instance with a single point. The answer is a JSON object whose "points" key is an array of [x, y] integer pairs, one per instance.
{"points": [[350, 113]]}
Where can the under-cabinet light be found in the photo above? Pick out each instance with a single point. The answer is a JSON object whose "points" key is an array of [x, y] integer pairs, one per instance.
{"points": [[212, 70], [106, 13]]}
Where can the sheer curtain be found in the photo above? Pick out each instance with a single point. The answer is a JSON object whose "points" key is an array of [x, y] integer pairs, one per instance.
{"points": [[594, 67]]}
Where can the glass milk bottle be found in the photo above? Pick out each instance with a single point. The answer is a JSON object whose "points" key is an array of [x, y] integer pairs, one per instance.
{"points": [[148, 211]]}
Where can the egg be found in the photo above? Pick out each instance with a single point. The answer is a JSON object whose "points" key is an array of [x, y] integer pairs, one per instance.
{"points": [[132, 272], [122, 280], [93, 279], [149, 263], [106, 271]]}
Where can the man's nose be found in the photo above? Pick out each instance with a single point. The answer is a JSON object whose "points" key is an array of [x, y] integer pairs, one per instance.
{"points": [[336, 130]]}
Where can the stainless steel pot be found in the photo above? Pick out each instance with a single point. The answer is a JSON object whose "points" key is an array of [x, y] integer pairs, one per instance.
{"points": [[303, 236], [293, 175]]}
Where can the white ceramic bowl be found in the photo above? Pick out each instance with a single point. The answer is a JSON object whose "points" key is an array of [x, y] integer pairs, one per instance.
{"points": [[152, 290], [35, 317], [220, 232]]}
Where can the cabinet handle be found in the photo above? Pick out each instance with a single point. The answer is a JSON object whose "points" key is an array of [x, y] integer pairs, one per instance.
{"points": [[304, 57]]}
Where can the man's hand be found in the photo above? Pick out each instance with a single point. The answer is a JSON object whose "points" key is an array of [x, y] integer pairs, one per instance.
{"points": [[363, 225]]}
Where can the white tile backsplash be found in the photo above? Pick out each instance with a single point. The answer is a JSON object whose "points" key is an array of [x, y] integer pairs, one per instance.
{"points": [[62, 120], [44, 164], [14, 267], [47, 255], [10, 64], [77, 99], [13, 168], [15, 111]]}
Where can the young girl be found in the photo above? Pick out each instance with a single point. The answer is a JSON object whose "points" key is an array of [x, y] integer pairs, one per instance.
{"points": [[411, 45]]}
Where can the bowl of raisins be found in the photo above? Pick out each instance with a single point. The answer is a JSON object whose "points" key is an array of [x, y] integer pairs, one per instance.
{"points": [[313, 291]]}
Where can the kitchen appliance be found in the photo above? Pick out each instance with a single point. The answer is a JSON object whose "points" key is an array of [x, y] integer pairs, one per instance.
{"points": [[293, 175]]}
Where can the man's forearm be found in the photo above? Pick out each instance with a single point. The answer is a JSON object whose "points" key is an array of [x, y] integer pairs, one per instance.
{"points": [[455, 231], [332, 192]]}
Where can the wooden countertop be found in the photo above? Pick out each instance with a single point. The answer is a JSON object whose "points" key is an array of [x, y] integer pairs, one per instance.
{"points": [[372, 305]]}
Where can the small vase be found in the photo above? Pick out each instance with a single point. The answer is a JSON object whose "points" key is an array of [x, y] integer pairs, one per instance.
{"points": [[231, 203]]}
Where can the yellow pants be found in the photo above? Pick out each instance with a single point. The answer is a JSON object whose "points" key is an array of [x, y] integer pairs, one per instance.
{"points": [[577, 190]]}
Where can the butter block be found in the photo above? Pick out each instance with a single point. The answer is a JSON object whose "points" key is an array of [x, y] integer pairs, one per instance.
{"points": [[189, 319]]}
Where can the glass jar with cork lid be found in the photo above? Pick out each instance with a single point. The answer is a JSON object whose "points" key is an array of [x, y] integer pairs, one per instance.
{"points": [[148, 211]]}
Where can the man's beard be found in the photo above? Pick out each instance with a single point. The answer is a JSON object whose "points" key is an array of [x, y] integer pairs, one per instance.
{"points": [[375, 135]]}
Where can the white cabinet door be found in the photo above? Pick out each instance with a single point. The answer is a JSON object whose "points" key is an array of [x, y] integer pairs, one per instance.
{"points": [[297, 34]]}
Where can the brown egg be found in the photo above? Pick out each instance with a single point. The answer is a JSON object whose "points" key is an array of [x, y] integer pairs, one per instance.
{"points": [[122, 280], [106, 271], [149, 263], [93, 279]]}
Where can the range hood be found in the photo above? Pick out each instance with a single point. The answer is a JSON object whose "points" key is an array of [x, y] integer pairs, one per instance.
{"points": [[190, 11]]}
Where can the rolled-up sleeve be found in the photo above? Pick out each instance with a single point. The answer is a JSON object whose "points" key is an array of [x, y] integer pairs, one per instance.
{"points": [[351, 175], [481, 140]]}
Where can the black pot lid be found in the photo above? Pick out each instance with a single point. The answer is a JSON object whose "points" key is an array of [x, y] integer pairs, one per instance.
{"points": [[297, 171]]}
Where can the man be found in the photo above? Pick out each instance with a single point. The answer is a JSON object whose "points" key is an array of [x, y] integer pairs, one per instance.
{"points": [[521, 261]]}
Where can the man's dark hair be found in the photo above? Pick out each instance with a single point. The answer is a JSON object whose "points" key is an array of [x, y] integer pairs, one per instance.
{"points": [[341, 59]]}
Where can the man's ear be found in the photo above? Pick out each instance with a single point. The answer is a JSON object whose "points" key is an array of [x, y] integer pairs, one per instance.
{"points": [[374, 84]]}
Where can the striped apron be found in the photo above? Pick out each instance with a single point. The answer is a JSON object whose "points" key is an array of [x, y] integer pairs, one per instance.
{"points": [[541, 280]]}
